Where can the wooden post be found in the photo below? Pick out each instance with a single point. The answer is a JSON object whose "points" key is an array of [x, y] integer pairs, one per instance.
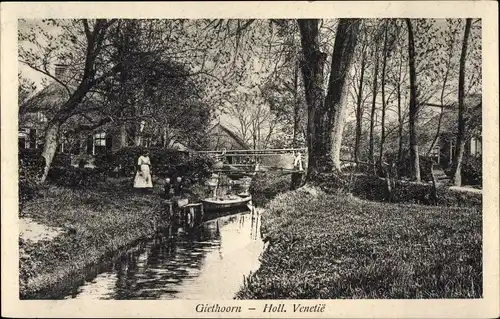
{"points": [[296, 181]]}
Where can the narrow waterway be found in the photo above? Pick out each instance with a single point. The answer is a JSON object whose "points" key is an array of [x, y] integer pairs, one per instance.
{"points": [[208, 262]]}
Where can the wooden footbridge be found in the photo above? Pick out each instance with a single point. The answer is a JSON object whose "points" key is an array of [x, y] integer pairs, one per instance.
{"points": [[285, 160]]}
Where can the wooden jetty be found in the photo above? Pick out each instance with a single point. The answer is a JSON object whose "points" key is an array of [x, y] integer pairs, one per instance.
{"points": [[185, 212]]}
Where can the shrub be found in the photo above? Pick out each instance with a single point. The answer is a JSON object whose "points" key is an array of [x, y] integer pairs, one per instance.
{"points": [[404, 167], [105, 163], [426, 164], [31, 164], [368, 187], [75, 177], [472, 171], [448, 197], [375, 188], [29, 172]]}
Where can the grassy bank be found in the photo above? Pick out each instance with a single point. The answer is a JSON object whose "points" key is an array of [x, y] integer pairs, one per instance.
{"points": [[95, 222], [337, 246], [265, 186]]}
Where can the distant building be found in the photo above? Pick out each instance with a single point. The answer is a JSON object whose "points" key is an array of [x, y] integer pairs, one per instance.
{"points": [[445, 144], [222, 138], [106, 139]]}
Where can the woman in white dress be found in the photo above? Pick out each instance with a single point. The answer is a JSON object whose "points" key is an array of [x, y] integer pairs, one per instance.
{"points": [[143, 176]]}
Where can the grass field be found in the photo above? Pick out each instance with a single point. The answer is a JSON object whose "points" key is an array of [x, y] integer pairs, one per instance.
{"points": [[326, 246], [95, 222]]}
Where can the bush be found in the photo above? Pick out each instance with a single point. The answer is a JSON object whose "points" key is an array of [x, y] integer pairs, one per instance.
{"points": [[368, 187], [448, 197], [75, 177], [472, 171], [31, 165], [104, 163], [375, 188], [404, 167], [29, 173], [426, 164]]}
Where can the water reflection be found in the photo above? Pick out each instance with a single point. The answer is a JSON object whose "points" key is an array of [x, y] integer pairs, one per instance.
{"points": [[206, 262]]}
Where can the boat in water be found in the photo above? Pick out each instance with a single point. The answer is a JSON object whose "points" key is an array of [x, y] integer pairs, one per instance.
{"points": [[228, 202]]}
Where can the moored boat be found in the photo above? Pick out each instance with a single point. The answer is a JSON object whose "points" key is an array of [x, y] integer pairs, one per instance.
{"points": [[226, 203]]}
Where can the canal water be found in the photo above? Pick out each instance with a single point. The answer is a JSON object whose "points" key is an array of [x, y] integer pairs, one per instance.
{"points": [[208, 262]]}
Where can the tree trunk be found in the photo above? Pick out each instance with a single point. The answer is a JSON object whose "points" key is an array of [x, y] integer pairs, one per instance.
{"points": [[359, 109], [337, 133], [296, 106], [400, 124], [123, 135], [319, 158], [400, 111], [374, 99], [325, 121], [462, 109], [49, 147], [415, 164], [384, 66], [343, 51]]}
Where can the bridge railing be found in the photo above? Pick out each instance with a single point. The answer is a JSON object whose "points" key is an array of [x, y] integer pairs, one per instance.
{"points": [[252, 152]]}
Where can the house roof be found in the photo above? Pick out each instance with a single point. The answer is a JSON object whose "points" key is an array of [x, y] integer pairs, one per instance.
{"points": [[47, 102], [233, 135], [449, 120]]}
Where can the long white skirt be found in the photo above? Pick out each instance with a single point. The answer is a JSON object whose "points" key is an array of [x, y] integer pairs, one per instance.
{"points": [[143, 178]]}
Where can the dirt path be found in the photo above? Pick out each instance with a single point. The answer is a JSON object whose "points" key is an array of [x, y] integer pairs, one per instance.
{"points": [[31, 230], [466, 189]]}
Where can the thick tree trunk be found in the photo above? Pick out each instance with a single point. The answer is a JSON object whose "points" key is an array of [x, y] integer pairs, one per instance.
{"points": [[343, 50], [384, 67], [337, 133], [359, 109], [462, 109], [319, 158], [325, 119], [415, 163], [49, 147]]}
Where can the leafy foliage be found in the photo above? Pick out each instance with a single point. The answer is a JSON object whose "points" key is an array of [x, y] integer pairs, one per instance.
{"points": [[472, 171], [31, 164], [75, 177]]}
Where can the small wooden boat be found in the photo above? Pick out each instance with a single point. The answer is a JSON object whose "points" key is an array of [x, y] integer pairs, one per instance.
{"points": [[229, 203]]}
